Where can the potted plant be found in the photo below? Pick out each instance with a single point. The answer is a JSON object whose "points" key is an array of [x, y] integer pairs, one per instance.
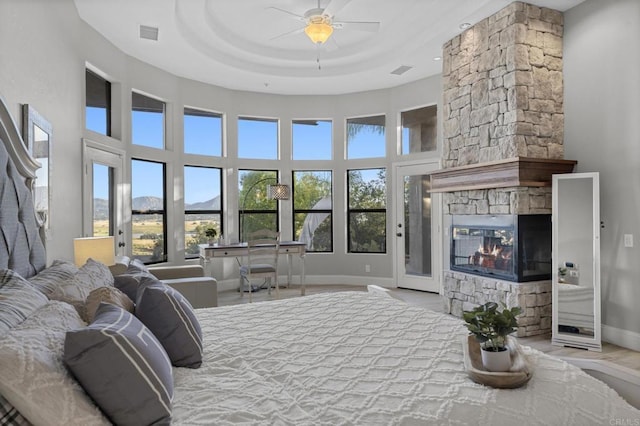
{"points": [[491, 327], [211, 234], [562, 273]]}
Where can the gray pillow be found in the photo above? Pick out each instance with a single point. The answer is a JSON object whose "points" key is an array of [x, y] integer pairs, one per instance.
{"points": [[18, 299], [170, 317], [122, 366], [129, 282]]}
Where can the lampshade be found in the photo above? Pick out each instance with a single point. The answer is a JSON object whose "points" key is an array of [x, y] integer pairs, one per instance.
{"points": [[318, 32], [278, 192], [100, 249]]}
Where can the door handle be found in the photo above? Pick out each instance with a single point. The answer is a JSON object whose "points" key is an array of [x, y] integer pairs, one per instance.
{"points": [[399, 234], [121, 244]]}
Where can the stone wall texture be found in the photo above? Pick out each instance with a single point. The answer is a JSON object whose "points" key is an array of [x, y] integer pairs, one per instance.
{"points": [[503, 98], [463, 292]]}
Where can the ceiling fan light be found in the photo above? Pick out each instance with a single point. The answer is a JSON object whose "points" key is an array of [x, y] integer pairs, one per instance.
{"points": [[318, 32]]}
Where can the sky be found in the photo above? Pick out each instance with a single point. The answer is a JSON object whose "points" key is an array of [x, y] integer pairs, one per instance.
{"points": [[203, 135]]}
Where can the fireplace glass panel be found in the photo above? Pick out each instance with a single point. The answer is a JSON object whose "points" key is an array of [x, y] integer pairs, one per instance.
{"points": [[508, 247]]}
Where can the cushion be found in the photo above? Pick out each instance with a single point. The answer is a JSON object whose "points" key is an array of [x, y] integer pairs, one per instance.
{"points": [[170, 317], [50, 278], [34, 379], [107, 295], [122, 366], [18, 299], [128, 283], [75, 291], [136, 265]]}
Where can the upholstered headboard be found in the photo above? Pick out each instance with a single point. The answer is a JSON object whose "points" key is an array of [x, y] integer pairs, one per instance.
{"points": [[21, 244]]}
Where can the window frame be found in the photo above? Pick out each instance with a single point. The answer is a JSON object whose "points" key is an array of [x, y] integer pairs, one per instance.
{"points": [[347, 139], [199, 112], [163, 213], [211, 212], [242, 212], [351, 211], [108, 100], [150, 109], [262, 119], [309, 211]]}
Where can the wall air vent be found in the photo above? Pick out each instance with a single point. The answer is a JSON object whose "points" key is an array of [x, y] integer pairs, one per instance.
{"points": [[149, 33], [401, 69]]}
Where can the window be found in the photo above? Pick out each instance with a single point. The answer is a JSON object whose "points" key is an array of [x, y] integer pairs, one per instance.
{"points": [[311, 139], [257, 138], [367, 214], [202, 206], [202, 132], [98, 107], [103, 199], [312, 209], [147, 121], [365, 137], [419, 130], [256, 210], [148, 211]]}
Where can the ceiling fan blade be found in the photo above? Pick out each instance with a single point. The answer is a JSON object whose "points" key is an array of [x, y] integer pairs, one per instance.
{"points": [[334, 7], [371, 27], [294, 15], [288, 33], [331, 45]]}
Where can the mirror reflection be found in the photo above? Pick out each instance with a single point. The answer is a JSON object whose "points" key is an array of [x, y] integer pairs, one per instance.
{"points": [[41, 153], [575, 258]]}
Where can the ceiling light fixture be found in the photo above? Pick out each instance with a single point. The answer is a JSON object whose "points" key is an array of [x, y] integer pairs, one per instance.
{"points": [[465, 25], [319, 29]]}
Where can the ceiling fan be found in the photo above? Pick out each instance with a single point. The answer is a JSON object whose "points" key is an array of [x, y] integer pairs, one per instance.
{"points": [[320, 22]]}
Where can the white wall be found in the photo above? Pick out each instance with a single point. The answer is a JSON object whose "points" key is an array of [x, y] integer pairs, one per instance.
{"points": [[602, 132]]}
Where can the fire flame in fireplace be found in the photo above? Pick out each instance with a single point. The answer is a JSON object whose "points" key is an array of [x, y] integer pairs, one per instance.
{"points": [[494, 257]]}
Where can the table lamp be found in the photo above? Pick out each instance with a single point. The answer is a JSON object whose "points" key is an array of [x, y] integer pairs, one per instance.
{"points": [[100, 249]]}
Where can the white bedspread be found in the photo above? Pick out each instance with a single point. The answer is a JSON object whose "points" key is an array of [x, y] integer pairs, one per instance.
{"points": [[354, 358]]}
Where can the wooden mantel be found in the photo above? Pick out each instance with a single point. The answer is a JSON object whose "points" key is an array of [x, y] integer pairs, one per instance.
{"points": [[513, 172]]}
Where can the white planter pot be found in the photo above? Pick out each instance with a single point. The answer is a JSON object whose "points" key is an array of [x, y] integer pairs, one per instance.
{"points": [[496, 361]]}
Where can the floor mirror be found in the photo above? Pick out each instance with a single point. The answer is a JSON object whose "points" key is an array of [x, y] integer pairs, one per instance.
{"points": [[576, 258]]}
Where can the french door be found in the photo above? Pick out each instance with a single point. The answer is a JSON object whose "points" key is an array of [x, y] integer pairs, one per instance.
{"points": [[417, 228], [103, 196]]}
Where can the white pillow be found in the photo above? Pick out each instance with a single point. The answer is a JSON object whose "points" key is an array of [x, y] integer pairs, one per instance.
{"points": [[90, 276], [34, 378]]}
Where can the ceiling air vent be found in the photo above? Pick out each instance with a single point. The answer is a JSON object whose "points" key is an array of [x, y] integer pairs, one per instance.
{"points": [[149, 33], [401, 69]]}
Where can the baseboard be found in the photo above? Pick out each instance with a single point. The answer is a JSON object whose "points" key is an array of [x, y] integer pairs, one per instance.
{"points": [[625, 338], [232, 284]]}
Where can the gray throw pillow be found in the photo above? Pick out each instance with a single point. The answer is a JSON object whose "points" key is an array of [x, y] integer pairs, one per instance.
{"points": [[122, 366], [129, 282], [170, 317]]}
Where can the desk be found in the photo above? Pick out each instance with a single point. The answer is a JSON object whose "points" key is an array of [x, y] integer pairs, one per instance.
{"points": [[288, 248]]}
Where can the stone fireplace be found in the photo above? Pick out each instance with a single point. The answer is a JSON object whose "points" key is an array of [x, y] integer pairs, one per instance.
{"points": [[502, 140]]}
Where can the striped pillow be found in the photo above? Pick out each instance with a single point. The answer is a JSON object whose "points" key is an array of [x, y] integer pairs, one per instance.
{"points": [[170, 317], [18, 299], [50, 278], [122, 366]]}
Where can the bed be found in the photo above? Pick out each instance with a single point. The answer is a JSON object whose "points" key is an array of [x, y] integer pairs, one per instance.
{"points": [[347, 358]]}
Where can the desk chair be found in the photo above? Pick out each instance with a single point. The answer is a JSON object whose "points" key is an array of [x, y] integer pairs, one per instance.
{"points": [[262, 260]]}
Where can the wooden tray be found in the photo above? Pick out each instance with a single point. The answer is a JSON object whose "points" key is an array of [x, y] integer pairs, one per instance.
{"points": [[505, 380]]}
